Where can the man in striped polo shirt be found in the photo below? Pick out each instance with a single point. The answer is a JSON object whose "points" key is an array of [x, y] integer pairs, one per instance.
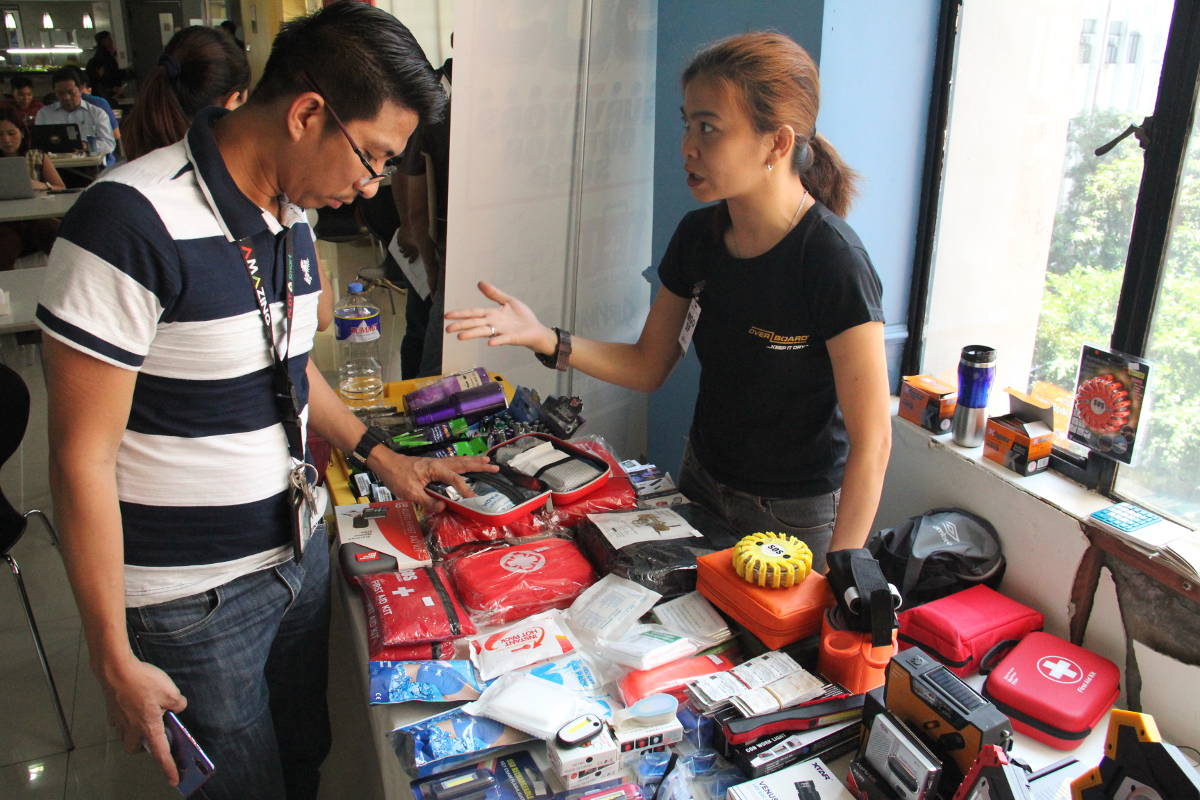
{"points": [[179, 309]]}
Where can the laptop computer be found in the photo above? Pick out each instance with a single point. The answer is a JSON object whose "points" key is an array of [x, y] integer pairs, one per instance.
{"points": [[14, 179], [57, 138]]}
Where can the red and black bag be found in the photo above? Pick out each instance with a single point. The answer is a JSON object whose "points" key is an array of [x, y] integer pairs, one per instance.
{"points": [[959, 629], [411, 606]]}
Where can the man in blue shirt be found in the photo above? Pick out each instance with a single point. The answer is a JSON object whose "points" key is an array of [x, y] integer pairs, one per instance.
{"points": [[85, 87], [71, 108]]}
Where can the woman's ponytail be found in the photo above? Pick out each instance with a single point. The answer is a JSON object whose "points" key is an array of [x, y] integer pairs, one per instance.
{"points": [[828, 178]]}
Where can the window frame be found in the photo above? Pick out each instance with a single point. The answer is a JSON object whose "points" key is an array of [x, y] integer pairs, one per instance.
{"points": [[1174, 110]]}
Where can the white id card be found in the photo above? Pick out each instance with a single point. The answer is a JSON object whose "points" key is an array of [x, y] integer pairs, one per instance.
{"points": [[689, 324]]}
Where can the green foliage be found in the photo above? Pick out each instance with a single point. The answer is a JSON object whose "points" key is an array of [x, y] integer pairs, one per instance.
{"points": [[1083, 281]]}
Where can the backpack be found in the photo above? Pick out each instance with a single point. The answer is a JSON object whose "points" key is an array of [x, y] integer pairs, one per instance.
{"points": [[938, 553]]}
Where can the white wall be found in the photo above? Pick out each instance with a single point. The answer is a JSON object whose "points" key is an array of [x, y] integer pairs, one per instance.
{"points": [[550, 182], [1043, 545]]}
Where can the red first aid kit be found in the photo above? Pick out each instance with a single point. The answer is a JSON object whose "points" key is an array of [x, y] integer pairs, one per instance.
{"points": [[509, 582], [777, 617], [1053, 690], [410, 607], [426, 651], [959, 629], [534, 491]]}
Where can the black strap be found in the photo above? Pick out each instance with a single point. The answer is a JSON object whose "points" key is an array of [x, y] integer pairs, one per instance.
{"points": [[991, 659], [553, 464], [286, 399], [447, 603]]}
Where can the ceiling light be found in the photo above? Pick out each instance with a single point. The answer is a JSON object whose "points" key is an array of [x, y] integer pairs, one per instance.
{"points": [[87, 21], [47, 21], [10, 21]]}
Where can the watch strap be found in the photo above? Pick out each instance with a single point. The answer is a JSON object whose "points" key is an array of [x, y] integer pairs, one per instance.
{"points": [[372, 437], [560, 359]]}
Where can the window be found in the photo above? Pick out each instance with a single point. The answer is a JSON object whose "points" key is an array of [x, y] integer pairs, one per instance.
{"points": [[1036, 246], [1085, 41]]}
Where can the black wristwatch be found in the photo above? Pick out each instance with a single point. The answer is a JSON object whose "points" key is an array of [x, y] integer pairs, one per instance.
{"points": [[372, 437], [561, 356]]}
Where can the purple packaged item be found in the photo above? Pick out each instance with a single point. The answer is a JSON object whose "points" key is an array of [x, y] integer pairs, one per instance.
{"points": [[441, 390], [473, 402]]}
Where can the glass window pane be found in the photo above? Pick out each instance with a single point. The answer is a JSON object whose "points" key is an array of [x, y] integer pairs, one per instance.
{"points": [[1167, 458], [1033, 228]]}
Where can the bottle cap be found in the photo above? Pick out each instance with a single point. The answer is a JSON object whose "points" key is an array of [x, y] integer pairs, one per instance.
{"points": [[355, 287]]}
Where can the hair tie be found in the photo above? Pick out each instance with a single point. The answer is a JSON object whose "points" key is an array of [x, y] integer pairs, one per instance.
{"points": [[168, 62]]}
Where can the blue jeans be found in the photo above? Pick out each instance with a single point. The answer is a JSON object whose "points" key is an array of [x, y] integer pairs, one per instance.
{"points": [[251, 657], [810, 519]]}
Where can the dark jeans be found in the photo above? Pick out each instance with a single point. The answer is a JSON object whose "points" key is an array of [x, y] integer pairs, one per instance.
{"points": [[416, 320], [251, 657], [810, 519]]}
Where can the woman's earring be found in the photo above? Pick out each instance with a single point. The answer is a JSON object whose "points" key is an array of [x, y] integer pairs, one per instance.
{"points": [[770, 167]]}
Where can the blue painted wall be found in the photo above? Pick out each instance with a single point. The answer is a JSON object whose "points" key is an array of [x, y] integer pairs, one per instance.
{"points": [[684, 26], [876, 64]]}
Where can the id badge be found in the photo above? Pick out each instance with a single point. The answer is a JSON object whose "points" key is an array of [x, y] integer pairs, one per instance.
{"points": [[689, 324]]}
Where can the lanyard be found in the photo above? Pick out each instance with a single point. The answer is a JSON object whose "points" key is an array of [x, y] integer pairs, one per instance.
{"points": [[286, 399]]}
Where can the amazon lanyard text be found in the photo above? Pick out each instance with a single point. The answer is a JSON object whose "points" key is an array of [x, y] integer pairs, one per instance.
{"points": [[301, 501]]}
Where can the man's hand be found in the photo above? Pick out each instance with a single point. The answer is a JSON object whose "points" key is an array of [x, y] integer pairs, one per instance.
{"points": [[406, 246], [407, 476], [137, 694]]}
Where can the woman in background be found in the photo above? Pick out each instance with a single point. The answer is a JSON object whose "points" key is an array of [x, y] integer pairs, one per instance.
{"points": [[199, 67], [32, 235], [792, 428]]}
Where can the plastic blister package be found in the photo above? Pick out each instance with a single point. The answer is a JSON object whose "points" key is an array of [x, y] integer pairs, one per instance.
{"points": [[509, 582], [425, 681], [539, 638], [411, 607], [662, 554], [450, 738]]}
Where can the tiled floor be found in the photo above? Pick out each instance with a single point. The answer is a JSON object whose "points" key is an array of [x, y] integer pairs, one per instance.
{"points": [[34, 762]]}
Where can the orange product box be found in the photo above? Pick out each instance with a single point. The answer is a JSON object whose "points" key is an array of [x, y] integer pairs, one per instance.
{"points": [[1023, 438], [928, 401]]}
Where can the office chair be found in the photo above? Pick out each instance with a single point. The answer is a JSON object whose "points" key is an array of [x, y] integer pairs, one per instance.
{"points": [[14, 417]]}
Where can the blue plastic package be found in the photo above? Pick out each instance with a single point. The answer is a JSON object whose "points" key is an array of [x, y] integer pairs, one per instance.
{"points": [[426, 681], [445, 740], [697, 728]]}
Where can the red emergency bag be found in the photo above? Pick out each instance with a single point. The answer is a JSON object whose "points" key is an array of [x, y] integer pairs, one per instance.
{"points": [[510, 582], [1052, 690], [410, 607]]}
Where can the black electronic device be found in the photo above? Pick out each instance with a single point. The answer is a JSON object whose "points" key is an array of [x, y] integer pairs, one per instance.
{"points": [[195, 767], [563, 415], [579, 730], [57, 138]]}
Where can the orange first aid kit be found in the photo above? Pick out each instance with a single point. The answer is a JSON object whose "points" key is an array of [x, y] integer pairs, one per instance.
{"points": [[777, 617]]}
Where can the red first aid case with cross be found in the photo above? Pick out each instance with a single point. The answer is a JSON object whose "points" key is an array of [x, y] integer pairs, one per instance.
{"points": [[1052, 690]]}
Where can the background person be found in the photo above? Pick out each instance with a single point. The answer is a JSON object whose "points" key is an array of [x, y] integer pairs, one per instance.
{"points": [[85, 90], [104, 72], [71, 108], [23, 99], [20, 238], [791, 430], [172, 454], [199, 67]]}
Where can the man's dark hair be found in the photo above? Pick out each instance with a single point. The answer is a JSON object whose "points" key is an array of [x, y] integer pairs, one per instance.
{"points": [[359, 55], [100, 36], [65, 74], [20, 82], [230, 26]]}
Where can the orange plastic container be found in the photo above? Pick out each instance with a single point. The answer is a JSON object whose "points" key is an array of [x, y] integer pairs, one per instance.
{"points": [[777, 617], [848, 658]]}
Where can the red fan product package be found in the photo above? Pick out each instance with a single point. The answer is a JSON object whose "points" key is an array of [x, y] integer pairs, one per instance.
{"points": [[1053, 690], [959, 629], [379, 537], [671, 678], [411, 606], [509, 582], [530, 641]]}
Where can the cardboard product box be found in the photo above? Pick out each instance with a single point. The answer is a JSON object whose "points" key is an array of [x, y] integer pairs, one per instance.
{"points": [[585, 764], [928, 402], [512, 777], [633, 737], [1022, 439], [380, 537], [782, 784]]}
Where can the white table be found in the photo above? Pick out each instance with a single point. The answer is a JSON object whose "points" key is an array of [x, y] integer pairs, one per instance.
{"points": [[23, 287], [41, 206], [75, 160]]}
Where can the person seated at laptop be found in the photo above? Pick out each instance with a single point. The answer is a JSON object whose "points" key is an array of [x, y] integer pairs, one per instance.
{"points": [[23, 99], [71, 108], [32, 235], [85, 88], [14, 141]]}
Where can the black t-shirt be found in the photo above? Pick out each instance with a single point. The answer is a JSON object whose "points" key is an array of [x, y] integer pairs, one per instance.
{"points": [[767, 420]]}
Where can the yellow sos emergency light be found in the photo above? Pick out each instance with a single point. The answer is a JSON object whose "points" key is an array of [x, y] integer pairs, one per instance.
{"points": [[772, 560]]}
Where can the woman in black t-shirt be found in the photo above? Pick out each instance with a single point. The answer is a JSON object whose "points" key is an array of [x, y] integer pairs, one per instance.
{"points": [[792, 426]]}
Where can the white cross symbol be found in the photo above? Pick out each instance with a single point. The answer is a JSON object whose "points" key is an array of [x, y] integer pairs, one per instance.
{"points": [[1059, 669], [403, 591]]}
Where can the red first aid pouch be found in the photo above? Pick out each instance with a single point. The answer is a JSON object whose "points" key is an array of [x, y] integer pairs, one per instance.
{"points": [[510, 582], [615, 495], [410, 607], [1053, 690], [959, 629], [426, 651]]}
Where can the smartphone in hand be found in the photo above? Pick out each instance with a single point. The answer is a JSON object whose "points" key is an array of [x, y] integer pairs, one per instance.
{"points": [[194, 766]]}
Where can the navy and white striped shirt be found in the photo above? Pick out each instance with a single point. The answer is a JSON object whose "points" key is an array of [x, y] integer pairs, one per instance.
{"points": [[146, 276]]}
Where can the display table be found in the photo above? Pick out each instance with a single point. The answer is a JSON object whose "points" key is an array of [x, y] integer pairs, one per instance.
{"points": [[42, 205], [23, 287], [383, 719]]}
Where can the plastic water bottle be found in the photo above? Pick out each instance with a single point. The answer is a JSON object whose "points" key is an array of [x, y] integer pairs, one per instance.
{"points": [[356, 328]]}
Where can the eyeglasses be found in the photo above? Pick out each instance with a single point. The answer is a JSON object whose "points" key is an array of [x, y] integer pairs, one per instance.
{"points": [[376, 177]]}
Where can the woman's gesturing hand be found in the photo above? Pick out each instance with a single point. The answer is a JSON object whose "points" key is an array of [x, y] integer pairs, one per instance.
{"points": [[509, 322]]}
